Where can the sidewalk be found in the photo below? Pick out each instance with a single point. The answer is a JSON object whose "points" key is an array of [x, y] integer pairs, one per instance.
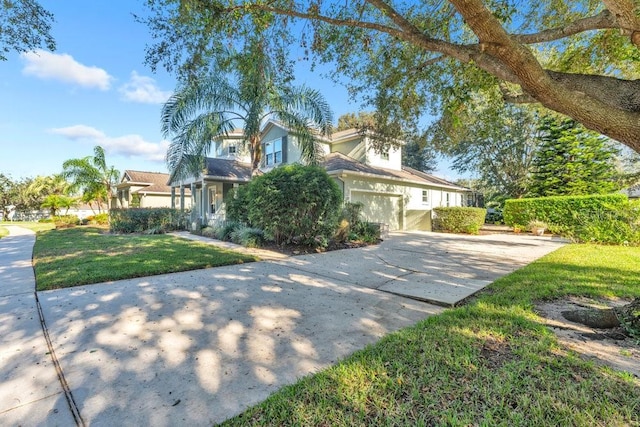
{"points": [[30, 391]]}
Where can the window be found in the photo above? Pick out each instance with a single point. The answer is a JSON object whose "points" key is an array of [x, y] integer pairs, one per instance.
{"points": [[384, 154], [425, 197], [273, 152], [232, 150], [447, 199]]}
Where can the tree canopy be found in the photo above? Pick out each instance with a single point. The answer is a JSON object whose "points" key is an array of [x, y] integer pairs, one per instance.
{"points": [[406, 59], [492, 140], [24, 26]]}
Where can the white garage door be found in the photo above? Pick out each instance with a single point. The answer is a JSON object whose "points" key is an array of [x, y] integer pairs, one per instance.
{"points": [[382, 208]]}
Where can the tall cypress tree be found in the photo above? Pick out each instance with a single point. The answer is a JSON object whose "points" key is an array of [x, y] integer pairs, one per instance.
{"points": [[572, 160]]}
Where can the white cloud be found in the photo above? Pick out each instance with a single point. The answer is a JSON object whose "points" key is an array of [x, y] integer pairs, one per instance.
{"points": [[64, 68], [126, 145], [144, 90]]}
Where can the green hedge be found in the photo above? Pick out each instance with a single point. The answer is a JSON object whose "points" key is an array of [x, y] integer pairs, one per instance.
{"points": [[561, 213], [459, 219], [609, 218], [146, 220]]}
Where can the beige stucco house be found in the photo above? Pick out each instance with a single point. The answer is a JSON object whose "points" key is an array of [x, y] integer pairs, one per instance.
{"points": [[392, 194], [146, 190]]}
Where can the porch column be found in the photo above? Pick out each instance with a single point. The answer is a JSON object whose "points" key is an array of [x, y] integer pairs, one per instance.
{"points": [[181, 197], [205, 202], [173, 197], [194, 208]]}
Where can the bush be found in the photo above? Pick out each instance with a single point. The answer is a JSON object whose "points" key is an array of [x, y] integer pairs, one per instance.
{"points": [[98, 219], [208, 232], [65, 221], [562, 213], [237, 204], [494, 216], [293, 204], [140, 220], [352, 228], [224, 232], [459, 219], [606, 219], [248, 236]]}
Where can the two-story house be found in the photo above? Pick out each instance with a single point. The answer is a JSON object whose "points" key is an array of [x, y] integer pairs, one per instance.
{"points": [[392, 194]]}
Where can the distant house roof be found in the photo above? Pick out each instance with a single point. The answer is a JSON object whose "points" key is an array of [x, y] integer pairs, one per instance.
{"points": [[153, 182], [336, 162], [227, 169]]}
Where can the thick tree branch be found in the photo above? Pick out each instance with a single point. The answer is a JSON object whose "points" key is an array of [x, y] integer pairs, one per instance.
{"points": [[603, 20], [626, 14], [592, 111]]}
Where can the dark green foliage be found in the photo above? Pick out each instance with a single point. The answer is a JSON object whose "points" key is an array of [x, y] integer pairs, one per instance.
{"points": [[353, 228], [292, 204], [152, 220], [237, 204], [494, 216], [418, 156], [572, 161], [459, 219], [610, 218], [248, 236], [224, 232]]}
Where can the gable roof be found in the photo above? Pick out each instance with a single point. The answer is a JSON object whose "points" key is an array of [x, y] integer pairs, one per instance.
{"points": [[338, 162], [154, 182]]}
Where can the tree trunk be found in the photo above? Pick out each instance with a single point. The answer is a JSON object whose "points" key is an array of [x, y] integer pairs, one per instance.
{"points": [[627, 316]]}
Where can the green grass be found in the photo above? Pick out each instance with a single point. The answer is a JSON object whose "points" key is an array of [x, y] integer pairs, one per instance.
{"points": [[490, 362], [82, 255], [3, 232]]}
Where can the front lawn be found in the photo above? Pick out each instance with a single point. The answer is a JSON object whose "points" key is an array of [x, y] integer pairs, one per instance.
{"points": [[82, 255], [490, 362]]}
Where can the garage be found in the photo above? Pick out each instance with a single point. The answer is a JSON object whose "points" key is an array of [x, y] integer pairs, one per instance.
{"points": [[385, 208]]}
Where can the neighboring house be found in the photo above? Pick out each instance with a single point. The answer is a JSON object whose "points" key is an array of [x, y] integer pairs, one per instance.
{"points": [[392, 194], [147, 190]]}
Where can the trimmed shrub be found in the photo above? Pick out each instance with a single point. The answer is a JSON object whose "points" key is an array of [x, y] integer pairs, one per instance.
{"points": [[562, 213], [459, 219], [294, 204], [99, 219], [140, 220], [609, 219]]}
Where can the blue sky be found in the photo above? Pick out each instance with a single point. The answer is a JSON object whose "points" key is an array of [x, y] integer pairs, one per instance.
{"points": [[95, 90]]}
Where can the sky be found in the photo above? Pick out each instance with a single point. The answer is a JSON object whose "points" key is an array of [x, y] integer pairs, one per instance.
{"points": [[96, 90]]}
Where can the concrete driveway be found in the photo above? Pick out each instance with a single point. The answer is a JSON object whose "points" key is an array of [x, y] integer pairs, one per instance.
{"points": [[201, 346]]}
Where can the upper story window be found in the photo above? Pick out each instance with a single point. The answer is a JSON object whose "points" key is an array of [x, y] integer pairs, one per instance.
{"points": [[384, 154], [273, 152], [232, 149], [425, 197]]}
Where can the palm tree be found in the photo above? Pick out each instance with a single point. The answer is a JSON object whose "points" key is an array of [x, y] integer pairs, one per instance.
{"points": [[207, 108], [92, 176]]}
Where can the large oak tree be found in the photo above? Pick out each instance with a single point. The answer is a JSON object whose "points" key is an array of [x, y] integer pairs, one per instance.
{"points": [[577, 57]]}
